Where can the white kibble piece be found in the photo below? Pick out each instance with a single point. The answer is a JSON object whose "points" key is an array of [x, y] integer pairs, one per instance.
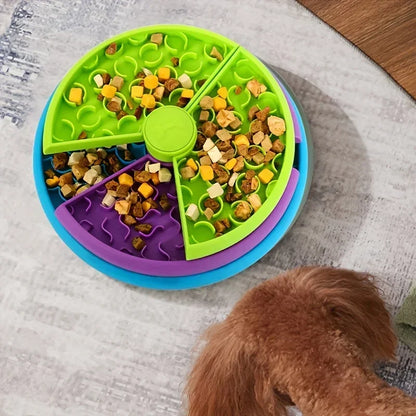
{"points": [[154, 167], [75, 158], [90, 176], [258, 137], [233, 179], [192, 212], [185, 81], [147, 71], [98, 79], [99, 179], [255, 201], [209, 213], [122, 146], [165, 175], [215, 154], [215, 190], [108, 200], [146, 166], [97, 168], [208, 145]]}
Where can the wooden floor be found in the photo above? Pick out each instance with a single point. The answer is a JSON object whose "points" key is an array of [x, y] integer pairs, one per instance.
{"points": [[385, 30]]}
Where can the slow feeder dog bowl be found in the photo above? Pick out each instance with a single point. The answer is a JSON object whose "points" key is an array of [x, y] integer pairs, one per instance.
{"points": [[176, 246]]}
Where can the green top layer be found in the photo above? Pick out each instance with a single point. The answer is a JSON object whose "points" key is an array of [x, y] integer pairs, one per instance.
{"points": [[65, 120], [167, 130]]}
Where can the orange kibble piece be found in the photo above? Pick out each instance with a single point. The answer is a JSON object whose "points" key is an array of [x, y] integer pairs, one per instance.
{"points": [[146, 206], [207, 173], [241, 139], [231, 163], [222, 92], [219, 104], [75, 95], [266, 176], [191, 163], [163, 74], [137, 91], [148, 101], [108, 91], [146, 190], [155, 178], [125, 179], [151, 82], [187, 93]]}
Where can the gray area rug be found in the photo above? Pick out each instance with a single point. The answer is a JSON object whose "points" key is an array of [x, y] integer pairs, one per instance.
{"points": [[74, 342]]}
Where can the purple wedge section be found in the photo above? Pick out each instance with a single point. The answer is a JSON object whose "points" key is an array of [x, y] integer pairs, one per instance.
{"points": [[101, 230], [161, 244]]}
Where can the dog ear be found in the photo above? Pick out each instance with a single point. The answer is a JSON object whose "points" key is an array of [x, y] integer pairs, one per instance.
{"points": [[355, 305], [225, 380]]}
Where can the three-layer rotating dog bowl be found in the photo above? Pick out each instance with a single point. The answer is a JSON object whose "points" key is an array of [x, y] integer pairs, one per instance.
{"points": [[161, 128]]}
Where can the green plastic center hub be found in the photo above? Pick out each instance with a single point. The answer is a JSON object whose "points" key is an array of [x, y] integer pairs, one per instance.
{"points": [[169, 132]]}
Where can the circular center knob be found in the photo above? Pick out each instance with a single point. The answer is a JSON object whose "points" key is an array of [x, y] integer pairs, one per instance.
{"points": [[169, 132]]}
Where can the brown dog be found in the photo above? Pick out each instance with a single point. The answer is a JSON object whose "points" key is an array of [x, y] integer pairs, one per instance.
{"points": [[308, 337]]}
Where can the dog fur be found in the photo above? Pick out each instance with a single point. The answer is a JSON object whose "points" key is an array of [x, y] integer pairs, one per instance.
{"points": [[309, 337]]}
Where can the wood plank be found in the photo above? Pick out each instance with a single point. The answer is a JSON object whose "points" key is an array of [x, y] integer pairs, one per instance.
{"points": [[385, 30]]}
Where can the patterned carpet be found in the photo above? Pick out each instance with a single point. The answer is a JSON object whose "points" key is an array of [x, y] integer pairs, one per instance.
{"points": [[74, 342]]}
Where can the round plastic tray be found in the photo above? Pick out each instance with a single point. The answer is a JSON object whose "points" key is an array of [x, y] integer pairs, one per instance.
{"points": [[303, 162], [169, 133]]}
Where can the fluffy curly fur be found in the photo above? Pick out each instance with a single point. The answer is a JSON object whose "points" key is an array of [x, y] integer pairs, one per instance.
{"points": [[308, 337]]}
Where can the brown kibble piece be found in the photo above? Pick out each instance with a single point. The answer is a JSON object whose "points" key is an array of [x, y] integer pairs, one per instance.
{"points": [[156, 38], [235, 124], [122, 207], [122, 191], [239, 165], [187, 172], [216, 54], [262, 114], [266, 143], [258, 158], [200, 140], [138, 243], [278, 146], [129, 220], [111, 186], [66, 179], [128, 155], [49, 174], [255, 87], [223, 135], [174, 60], [252, 112], [138, 112], [164, 202], [142, 176], [206, 102], [204, 115], [153, 204], [212, 203], [121, 114], [221, 175], [250, 174], [133, 197], [114, 104], [246, 186], [242, 211], [143, 228], [258, 137], [219, 226], [82, 135], [60, 160], [256, 126], [205, 161], [242, 150], [224, 146], [106, 78], [111, 49], [79, 171], [238, 90], [100, 97], [209, 129], [269, 156], [201, 82], [182, 102], [171, 84], [137, 210]]}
